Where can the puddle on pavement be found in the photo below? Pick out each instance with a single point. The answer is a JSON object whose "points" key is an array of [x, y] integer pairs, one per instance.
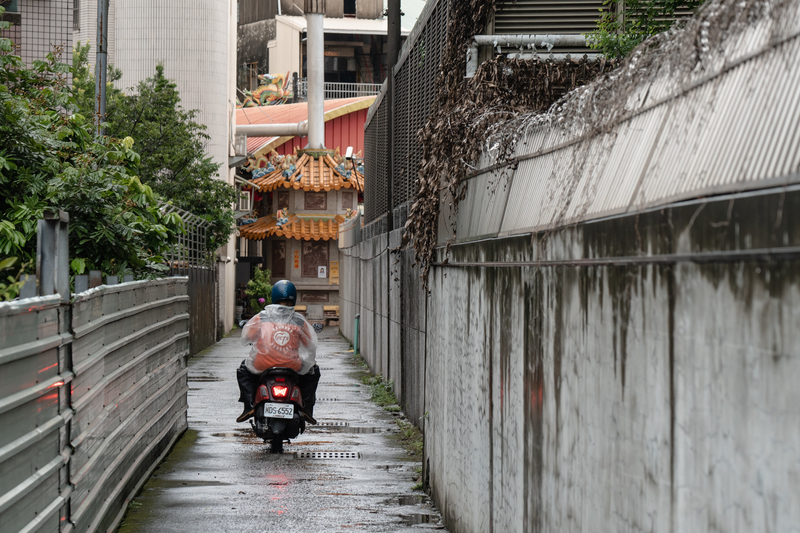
{"points": [[410, 499], [179, 483], [351, 429], [238, 433], [418, 518]]}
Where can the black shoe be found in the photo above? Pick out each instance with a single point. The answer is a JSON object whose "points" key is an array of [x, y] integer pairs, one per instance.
{"points": [[247, 413]]}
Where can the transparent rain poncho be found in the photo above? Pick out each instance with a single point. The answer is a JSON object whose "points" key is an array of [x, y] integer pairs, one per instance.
{"points": [[279, 337]]}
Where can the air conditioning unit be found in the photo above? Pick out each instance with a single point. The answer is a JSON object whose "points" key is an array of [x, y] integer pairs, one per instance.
{"points": [[245, 201]]}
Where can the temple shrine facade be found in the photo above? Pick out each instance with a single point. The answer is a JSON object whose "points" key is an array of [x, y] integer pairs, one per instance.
{"points": [[300, 197]]}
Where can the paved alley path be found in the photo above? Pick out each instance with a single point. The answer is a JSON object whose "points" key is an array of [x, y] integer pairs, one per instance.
{"points": [[220, 477]]}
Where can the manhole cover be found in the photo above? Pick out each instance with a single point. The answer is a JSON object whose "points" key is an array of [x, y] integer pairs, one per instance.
{"points": [[327, 455], [338, 424]]}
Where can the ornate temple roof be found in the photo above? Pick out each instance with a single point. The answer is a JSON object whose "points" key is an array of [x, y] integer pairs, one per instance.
{"points": [[301, 227], [329, 172]]}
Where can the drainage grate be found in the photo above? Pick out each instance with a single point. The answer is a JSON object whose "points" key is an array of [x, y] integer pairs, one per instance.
{"points": [[328, 400], [333, 423], [327, 455]]}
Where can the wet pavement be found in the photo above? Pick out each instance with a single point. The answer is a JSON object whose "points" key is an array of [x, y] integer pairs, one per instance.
{"points": [[348, 473]]}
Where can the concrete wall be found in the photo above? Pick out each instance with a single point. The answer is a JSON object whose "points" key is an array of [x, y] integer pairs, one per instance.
{"points": [[657, 395], [386, 291]]}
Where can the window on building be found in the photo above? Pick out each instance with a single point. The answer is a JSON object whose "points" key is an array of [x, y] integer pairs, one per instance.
{"points": [[11, 6], [315, 255], [350, 8], [76, 16]]}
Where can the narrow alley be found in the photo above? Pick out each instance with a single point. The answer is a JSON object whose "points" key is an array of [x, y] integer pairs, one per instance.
{"points": [[348, 473]]}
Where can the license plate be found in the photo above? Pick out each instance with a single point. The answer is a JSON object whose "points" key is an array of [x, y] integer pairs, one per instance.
{"points": [[278, 410]]}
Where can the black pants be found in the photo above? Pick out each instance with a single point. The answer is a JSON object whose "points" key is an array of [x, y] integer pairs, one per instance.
{"points": [[248, 383]]}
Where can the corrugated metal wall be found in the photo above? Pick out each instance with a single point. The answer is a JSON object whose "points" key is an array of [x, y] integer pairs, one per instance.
{"points": [[92, 395], [340, 132], [547, 17], [35, 413]]}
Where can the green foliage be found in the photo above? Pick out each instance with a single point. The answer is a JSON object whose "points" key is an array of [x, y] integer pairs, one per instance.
{"points": [[52, 159], [259, 288], [412, 438], [11, 285], [382, 392], [626, 23], [171, 143]]}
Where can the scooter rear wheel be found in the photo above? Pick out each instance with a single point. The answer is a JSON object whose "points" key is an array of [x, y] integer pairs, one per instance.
{"points": [[277, 445]]}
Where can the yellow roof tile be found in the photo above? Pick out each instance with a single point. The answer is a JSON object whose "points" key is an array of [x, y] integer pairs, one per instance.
{"points": [[309, 174], [306, 228]]}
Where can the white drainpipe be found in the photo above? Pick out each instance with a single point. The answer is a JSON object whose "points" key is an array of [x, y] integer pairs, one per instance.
{"points": [[518, 41], [316, 81], [274, 130]]}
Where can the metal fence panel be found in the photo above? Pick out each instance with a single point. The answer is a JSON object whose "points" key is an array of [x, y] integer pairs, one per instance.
{"points": [[415, 91], [190, 257], [129, 392], [32, 413], [92, 395]]}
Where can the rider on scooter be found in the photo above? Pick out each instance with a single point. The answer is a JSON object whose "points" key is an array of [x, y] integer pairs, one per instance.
{"points": [[279, 338]]}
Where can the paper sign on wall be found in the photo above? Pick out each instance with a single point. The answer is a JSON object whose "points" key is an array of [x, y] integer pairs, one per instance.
{"points": [[322, 272], [297, 258], [334, 280]]}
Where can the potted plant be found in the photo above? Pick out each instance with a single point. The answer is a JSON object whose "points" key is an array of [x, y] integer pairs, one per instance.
{"points": [[259, 290]]}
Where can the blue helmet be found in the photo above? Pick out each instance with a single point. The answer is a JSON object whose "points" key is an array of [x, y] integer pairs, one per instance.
{"points": [[284, 290]]}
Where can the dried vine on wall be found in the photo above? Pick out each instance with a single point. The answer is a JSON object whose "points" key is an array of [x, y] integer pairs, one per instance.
{"points": [[466, 112], [490, 113]]}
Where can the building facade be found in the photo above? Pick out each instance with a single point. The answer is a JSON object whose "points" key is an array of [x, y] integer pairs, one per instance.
{"points": [[271, 39], [195, 41], [299, 201], [39, 27]]}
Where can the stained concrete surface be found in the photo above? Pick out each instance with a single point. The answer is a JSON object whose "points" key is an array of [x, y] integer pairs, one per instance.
{"points": [[220, 477]]}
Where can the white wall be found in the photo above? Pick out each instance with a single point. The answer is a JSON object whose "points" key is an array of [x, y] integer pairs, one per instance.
{"points": [[285, 55]]}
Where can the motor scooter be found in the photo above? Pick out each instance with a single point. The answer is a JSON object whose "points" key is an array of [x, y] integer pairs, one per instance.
{"points": [[279, 413]]}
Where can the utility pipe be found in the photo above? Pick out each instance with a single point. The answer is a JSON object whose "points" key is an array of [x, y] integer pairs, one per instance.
{"points": [[591, 58], [274, 130], [315, 13], [392, 52], [518, 41], [101, 66]]}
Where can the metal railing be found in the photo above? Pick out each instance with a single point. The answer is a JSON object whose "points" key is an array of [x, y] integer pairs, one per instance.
{"points": [[335, 90], [191, 257]]}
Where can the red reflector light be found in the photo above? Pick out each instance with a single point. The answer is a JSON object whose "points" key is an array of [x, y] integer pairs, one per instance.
{"points": [[281, 380], [280, 391]]}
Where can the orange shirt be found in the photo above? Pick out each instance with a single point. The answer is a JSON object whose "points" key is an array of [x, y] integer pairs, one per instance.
{"points": [[277, 345]]}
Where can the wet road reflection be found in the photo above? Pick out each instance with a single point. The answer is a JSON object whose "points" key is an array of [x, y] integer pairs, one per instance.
{"points": [[349, 472]]}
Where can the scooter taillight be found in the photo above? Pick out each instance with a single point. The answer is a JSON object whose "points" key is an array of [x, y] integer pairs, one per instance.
{"points": [[280, 391]]}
